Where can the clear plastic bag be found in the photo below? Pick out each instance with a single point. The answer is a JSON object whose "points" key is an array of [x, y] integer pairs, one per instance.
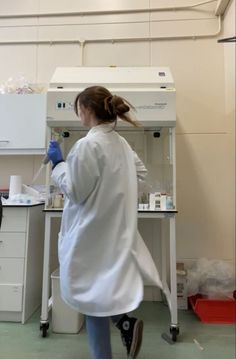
{"points": [[211, 278], [16, 85]]}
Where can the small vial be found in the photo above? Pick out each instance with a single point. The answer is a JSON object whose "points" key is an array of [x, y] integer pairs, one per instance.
{"points": [[152, 200], [163, 201], [169, 202], [57, 203]]}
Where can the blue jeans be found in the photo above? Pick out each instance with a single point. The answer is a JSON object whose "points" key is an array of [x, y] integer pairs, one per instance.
{"points": [[98, 331]]}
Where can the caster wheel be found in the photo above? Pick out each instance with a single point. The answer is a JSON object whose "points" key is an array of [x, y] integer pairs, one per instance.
{"points": [[44, 328], [174, 331]]}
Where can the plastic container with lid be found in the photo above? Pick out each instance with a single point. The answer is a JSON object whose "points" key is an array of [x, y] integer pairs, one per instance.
{"points": [[64, 318]]}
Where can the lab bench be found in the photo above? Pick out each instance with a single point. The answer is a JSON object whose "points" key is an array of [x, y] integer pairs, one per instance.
{"points": [[21, 261], [169, 291]]}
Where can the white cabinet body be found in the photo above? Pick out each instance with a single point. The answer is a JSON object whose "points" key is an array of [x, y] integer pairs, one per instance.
{"points": [[23, 123], [21, 261]]}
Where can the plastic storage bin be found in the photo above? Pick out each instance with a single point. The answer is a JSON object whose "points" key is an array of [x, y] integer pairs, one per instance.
{"points": [[64, 318], [215, 311]]}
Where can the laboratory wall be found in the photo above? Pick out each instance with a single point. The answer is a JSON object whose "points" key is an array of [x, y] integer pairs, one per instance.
{"points": [[230, 96], [185, 41]]}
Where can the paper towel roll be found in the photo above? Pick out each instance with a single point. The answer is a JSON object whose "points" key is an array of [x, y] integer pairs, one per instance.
{"points": [[15, 185]]}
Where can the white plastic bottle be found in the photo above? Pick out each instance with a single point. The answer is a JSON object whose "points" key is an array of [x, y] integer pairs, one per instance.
{"points": [[163, 201]]}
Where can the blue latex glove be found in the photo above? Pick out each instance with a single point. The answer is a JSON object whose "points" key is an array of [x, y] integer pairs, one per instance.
{"points": [[54, 152]]}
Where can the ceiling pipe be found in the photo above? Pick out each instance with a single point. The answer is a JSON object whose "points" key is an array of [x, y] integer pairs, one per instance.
{"points": [[105, 12], [113, 40], [221, 6]]}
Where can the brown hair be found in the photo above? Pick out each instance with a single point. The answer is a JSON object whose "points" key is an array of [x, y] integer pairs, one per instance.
{"points": [[106, 107]]}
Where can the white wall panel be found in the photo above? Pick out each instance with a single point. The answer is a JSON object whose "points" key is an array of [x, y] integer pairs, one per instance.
{"points": [[118, 54], [199, 80], [19, 33], [19, 7], [200, 12], [105, 54], [91, 5], [230, 92], [98, 31], [17, 60], [25, 166], [184, 28], [50, 57], [62, 32], [95, 19], [173, 3], [182, 15], [9, 22], [230, 61], [205, 179], [16, 165]]}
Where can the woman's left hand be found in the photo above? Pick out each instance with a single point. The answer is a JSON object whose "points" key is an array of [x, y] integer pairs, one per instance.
{"points": [[54, 152]]}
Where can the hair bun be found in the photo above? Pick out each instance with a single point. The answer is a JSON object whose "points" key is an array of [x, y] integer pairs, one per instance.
{"points": [[118, 105]]}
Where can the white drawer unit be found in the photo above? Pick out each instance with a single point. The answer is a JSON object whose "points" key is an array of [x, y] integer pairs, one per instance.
{"points": [[23, 123], [14, 219], [11, 270], [11, 297], [12, 244], [21, 261]]}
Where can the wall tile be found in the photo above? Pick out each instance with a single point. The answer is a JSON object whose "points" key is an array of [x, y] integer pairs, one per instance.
{"points": [[16, 165], [18, 33], [92, 5], [50, 57], [118, 54], [23, 22], [17, 60], [19, 7], [199, 81], [205, 196], [201, 12], [95, 19], [173, 3], [184, 28], [98, 31]]}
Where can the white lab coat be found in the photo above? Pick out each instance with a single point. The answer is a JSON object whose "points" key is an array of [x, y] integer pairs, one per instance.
{"points": [[102, 257]]}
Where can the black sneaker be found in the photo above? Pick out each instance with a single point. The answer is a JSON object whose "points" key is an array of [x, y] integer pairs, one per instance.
{"points": [[131, 334]]}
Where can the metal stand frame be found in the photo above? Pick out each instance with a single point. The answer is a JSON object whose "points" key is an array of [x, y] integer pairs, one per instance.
{"points": [[171, 293]]}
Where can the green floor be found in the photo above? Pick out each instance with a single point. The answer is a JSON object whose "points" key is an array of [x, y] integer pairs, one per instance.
{"points": [[218, 341]]}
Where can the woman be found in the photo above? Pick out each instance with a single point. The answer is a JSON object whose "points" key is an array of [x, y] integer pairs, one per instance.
{"points": [[98, 243]]}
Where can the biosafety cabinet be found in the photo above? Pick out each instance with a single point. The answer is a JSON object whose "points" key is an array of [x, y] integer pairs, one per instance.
{"points": [[151, 91]]}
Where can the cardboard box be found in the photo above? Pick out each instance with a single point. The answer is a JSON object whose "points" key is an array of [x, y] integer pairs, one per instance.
{"points": [[182, 297]]}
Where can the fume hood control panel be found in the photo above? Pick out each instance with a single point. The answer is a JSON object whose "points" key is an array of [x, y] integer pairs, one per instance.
{"points": [[153, 108], [150, 90]]}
